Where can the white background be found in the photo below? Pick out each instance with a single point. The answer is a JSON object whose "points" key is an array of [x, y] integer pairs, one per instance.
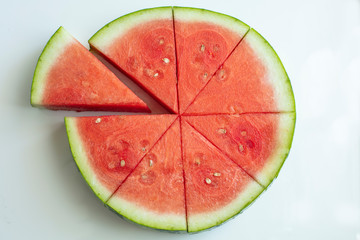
{"points": [[317, 194]]}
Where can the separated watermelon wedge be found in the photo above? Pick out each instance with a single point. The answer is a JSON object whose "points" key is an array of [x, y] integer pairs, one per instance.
{"points": [[69, 77], [204, 39], [142, 45]]}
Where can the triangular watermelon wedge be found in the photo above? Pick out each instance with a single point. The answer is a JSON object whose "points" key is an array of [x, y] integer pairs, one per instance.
{"points": [[106, 149], [216, 188], [259, 143], [142, 45], [204, 39], [252, 79], [153, 194], [69, 77]]}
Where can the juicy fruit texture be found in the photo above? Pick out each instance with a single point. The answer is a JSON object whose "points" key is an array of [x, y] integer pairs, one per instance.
{"points": [[258, 143], [252, 79], [106, 149], [142, 45], [216, 188], [203, 41], [153, 195], [69, 77]]}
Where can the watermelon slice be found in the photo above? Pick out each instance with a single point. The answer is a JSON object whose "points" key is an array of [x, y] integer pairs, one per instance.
{"points": [[106, 149], [216, 188], [69, 77], [153, 194], [259, 143], [253, 79], [204, 39], [142, 45]]}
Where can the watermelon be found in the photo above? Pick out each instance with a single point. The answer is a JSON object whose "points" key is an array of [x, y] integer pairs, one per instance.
{"points": [[142, 45], [230, 132], [106, 149], [253, 79], [153, 195], [216, 188], [69, 77], [258, 143], [204, 39]]}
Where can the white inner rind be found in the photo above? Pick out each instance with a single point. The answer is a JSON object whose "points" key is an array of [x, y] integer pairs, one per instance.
{"points": [[82, 160], [276, 73], [197, 222], [53, 49], [117, 28], [185, 14], [283, 144], [146, 217]]}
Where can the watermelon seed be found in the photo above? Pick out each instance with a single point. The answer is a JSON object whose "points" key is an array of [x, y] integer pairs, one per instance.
{"points": [[197, 162], [98, 120], [208, 180], [222, 131], [143, 149], [205, 75], [161, 41], [166, 60], [122, 163], [150, 163], [144, 176], [202, 48], [156, 74], [217, 174], [243, 133], [241, 147]]}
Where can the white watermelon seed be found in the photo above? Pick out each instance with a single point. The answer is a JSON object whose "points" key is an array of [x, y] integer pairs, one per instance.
{"points": [[217, 174], [222, 131], [208, 180], [161, 41], [122, 163], [156, 74], [143, 149], [243, 133], [202, 48], [150, 163], [241, 147], [166, 60], [98, 120]]}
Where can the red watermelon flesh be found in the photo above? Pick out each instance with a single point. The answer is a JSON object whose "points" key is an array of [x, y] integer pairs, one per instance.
{"points": [[216, 188], [69, 77], [203, 41], [153, 194], [258, 143], [142, 45], [252, 79], [106, 149]]}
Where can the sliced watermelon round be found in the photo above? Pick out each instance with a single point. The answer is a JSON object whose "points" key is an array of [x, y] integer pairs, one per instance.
{"points": [[69, 77], [193, 170], [142, 45]]}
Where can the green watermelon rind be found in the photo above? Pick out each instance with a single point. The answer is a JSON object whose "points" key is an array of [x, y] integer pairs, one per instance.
{"points": [[53, 49], [146, 218], [238, 205], [189, 14], [276, 72], [116, 28], [81, 159], [284, 141]]}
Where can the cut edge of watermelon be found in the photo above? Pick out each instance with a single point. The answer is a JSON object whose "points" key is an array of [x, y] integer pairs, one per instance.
{"points": [[135, 213], [278, 75], [198, 14], [81, 159], [54, 47], [119, 26], [215, 218], [284, 138]]}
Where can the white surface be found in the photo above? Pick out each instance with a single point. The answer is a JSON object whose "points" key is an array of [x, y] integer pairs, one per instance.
{"points": [[317, 195]]}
